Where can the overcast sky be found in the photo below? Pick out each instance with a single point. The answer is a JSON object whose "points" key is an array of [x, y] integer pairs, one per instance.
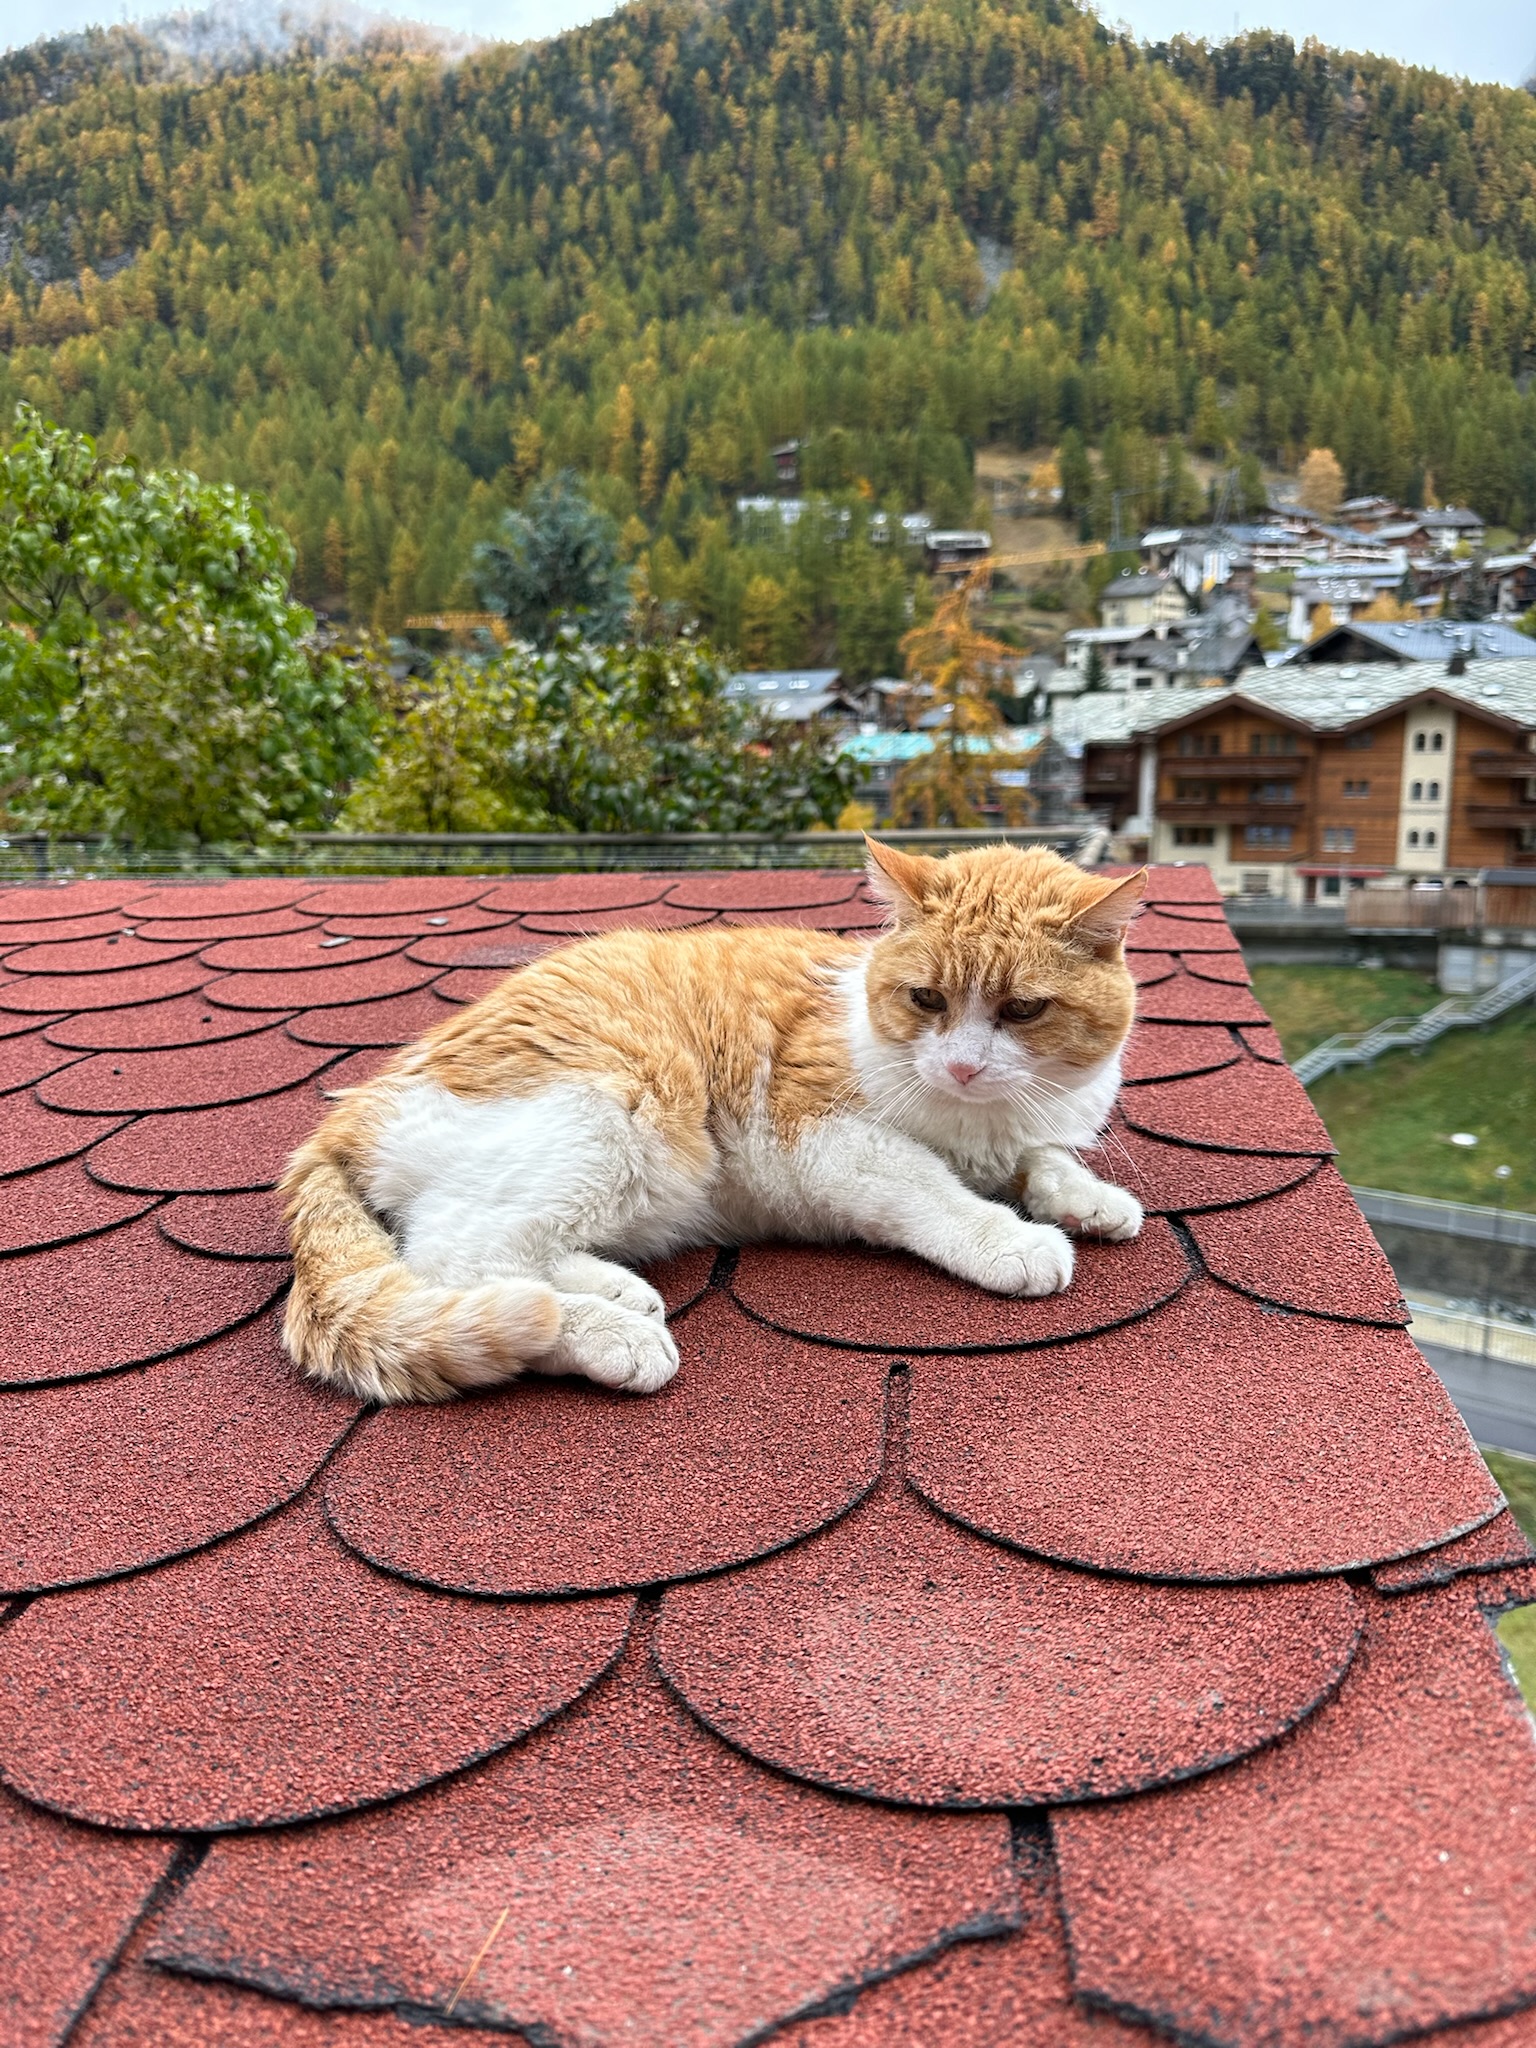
{"points": [[1487, 39]]}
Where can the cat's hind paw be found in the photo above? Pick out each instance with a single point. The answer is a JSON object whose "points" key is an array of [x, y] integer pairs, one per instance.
{"points": [[615, 1347]]}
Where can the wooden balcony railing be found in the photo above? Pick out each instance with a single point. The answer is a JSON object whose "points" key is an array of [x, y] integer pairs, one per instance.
{"points": [[1440, 909], [1502, 817], [1231, 811]]}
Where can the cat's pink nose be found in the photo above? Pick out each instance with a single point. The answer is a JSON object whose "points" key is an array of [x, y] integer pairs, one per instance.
{"points": [[963, 1073]]}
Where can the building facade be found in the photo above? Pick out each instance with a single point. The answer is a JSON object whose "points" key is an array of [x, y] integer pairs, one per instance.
{"points": [[1294, 783]]}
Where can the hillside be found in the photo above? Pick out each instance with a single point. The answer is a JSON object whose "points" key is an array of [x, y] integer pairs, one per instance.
{"points": [[387, 290]]}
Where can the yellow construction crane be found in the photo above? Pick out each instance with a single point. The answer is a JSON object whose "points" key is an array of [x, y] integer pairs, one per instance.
{"points": [[460, 623], [1043, 558]]}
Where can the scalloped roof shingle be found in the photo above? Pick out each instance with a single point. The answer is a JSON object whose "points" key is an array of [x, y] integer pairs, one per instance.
{"points": [[919, 1667]]}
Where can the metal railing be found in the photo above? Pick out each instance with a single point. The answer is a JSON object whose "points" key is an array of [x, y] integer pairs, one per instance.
{"points": [[34, 858], [1360, 1048], [1447, 1219]]}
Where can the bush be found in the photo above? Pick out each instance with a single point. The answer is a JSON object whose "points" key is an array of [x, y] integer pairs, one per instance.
{"points": [[577, 738], [156, 682]]}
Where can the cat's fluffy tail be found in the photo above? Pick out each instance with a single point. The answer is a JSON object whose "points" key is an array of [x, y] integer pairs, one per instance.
{"points": [[361, 1321]]}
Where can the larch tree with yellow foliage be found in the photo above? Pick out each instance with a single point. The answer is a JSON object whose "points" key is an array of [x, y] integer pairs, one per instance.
{"points": [[1322, 484], [953, 784]]}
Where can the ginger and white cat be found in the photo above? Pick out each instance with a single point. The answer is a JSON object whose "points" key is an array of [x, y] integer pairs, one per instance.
{"points": [[471, 1213]]}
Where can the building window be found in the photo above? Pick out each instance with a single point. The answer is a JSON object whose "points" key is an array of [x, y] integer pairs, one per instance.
{"points": [[1187, 792], [1413, 838], [1416, 793], [1256, 884], [1357, 789], [1276, 792], [1196, 743], [1271, 743], [1194, 835], [1429, 838], [1420, 742], [1266, 835], [1338, 839], [1360, 739], [1434, 792], [1437, 743]]}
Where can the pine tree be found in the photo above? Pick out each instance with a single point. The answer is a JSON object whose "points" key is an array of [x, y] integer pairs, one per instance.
{"points": [[553, 564]]}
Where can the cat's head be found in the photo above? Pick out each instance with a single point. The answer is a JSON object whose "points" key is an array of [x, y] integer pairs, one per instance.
{"points": [[1003, 967]]}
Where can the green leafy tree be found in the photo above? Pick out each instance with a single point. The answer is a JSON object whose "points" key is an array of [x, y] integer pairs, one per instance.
{"points": [[583, 738], [555, 563], [157, 683]]}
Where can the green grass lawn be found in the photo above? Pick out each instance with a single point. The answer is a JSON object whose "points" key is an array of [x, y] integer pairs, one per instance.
{"points": [[1517, 1476], [1391, 1122], [1517, 1630], [1309, 1004]]}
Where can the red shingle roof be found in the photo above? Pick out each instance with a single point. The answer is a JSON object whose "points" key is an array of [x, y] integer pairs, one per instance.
{"points": [[918, 1668]]}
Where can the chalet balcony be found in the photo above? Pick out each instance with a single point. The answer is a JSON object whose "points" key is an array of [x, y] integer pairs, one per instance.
{"points": [[1249, 767], [1414, 910], [1493, 765], [1472, 909], [1234, 811], [1502, 817]]}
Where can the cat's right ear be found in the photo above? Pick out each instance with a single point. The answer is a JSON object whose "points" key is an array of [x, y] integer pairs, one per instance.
{"points": [[902, 881]]}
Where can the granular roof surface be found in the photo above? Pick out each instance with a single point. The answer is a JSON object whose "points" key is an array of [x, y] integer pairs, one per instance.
{"points": [[919, 1669]]}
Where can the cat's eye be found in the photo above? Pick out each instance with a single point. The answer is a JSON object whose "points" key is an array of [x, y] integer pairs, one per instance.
{"points": [[927, 999], [1020, 1009]]}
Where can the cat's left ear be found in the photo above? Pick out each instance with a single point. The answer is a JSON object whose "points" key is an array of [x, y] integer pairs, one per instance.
{"points": [[1105, 917], [902, 881]]}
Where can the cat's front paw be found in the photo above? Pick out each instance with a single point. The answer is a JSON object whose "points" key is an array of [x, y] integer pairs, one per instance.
{"points": [[581, 1273], [1108, 1212], [1091, 1208], [1011, 1256]]}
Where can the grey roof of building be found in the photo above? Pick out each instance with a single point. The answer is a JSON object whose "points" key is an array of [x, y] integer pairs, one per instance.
{"points": [[1221, 647], [1107, 718], [1326, 699], [1456, 516], [1330, 699], [1134, 584], [772, 682], [1412, 640]]}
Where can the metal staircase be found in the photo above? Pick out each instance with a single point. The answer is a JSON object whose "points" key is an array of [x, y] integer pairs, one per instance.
{"points": [[1360, 1048]]}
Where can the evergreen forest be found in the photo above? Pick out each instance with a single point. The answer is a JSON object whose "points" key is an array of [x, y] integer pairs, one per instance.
{"points": [[389, 293]]}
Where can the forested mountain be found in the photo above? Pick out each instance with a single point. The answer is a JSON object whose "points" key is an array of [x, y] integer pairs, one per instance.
{"points": [[388, 291]]}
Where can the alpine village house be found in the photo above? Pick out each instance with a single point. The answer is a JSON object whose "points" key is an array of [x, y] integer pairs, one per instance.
{"points": [[1302, 782]]}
